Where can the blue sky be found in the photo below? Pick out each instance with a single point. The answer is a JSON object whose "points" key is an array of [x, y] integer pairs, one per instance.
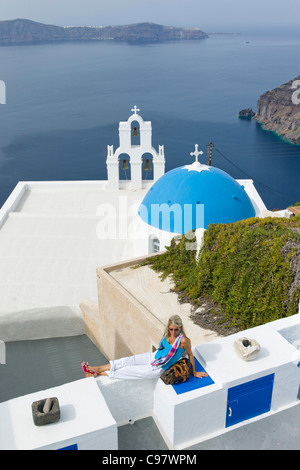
{"points": [[209, 15]]}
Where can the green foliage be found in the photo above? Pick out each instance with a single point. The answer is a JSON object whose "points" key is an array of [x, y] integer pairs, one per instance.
{"points": [[178, 262], [245, 267]]}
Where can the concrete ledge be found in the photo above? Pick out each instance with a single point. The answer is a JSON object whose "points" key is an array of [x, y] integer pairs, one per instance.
{"points": [[39, 323], [128, 263], [13, 201]]}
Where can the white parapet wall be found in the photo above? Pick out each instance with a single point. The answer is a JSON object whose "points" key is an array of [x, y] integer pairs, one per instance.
{"points": [[85, 420], [92, 409], [41, 323], [202, 413], [13, 201], [128, 400]]}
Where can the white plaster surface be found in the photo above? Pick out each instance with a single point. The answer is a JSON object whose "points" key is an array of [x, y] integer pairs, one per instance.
{"points": [[39, 323], [191, 416], [227, 368], [51, 244], [85, 420], [252, 192], [128, 400]]}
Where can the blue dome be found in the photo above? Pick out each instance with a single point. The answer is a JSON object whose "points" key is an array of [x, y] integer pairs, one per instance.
{"points": [[194, 196]]}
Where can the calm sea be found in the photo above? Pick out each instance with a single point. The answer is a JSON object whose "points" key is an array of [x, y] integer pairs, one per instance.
{"points": [[64, 103]]}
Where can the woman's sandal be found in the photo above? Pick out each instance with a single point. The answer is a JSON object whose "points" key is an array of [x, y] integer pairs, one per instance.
{"points": [[87, 373]]}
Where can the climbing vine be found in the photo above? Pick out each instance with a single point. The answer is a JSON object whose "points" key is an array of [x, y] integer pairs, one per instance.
{"points": [[250, 269]]}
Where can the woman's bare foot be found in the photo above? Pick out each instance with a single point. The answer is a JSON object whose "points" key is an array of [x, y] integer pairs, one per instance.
{"points": [[99, 370]]}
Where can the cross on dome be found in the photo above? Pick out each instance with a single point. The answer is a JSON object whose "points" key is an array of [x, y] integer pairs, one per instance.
{"points": [[135, 109], [196, 153]]}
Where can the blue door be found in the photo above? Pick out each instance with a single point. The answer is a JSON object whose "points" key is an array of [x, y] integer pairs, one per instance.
{"points": [[71, 447], [249, 399]]}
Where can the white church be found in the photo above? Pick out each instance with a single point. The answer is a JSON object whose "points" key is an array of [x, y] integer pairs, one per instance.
{"points": [[57, 240]]}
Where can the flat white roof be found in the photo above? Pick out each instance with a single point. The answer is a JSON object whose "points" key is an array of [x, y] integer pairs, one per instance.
{"points": [[50, 245]]}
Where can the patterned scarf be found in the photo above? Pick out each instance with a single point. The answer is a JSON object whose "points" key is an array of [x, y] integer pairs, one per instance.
{"points": [[162, 361]]}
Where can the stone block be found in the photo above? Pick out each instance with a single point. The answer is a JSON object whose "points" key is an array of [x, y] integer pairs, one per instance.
{"points": [[247, 349], [45, 411]]}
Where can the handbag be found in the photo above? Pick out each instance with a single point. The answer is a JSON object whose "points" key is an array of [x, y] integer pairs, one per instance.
{"points": [[178, 372]]}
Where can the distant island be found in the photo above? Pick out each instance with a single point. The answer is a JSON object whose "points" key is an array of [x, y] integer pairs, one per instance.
{"points": [[278, 110], [23, 31]]}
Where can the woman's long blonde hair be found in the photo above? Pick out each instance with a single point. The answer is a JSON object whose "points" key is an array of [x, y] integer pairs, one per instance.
{"points": [[176, 321]]}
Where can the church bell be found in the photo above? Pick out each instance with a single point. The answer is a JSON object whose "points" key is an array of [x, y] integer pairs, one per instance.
{"points": [[125, 166], [135, 132], [147, 166]]}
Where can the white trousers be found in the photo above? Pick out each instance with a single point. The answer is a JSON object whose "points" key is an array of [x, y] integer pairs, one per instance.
{"points": [[134, 367]]}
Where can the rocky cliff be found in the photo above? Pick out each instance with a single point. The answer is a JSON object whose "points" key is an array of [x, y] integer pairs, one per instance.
{"points": [[23, 31], [278, 110]]}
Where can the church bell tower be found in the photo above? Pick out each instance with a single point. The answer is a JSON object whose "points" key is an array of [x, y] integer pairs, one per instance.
{"points": [[127, 134]]}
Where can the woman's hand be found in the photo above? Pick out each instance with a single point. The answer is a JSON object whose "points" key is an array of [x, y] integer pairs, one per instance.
{"points": [[186, 344], [200, 375]]}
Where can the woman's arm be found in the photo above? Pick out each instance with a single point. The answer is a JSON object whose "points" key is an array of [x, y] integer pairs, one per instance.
{"points": [[186, 344]]}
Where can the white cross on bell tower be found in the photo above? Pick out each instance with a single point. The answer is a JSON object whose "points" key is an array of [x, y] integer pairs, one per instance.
{"points": [[135, 110]]}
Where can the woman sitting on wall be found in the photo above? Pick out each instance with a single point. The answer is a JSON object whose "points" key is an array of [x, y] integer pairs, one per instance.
{"points": [[173, 346]]}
